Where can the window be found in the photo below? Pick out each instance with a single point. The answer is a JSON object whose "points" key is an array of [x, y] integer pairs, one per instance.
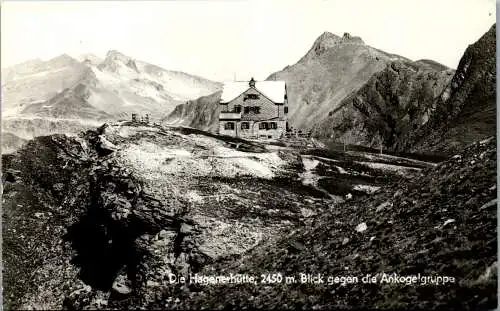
{"points": [[237, 108], [286, 109], [273, 125], [229, 126], [250, 96], [262, 126], [245, 125], [251, 109]]}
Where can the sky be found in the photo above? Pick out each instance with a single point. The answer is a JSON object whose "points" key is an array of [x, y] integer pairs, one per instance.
{"points": [[224, 39]]}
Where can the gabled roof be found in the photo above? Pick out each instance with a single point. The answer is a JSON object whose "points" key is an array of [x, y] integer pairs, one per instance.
{"points": [[274, 90]]}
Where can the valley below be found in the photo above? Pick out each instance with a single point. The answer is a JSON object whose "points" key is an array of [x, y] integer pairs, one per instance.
{"points": [[105, 218]]}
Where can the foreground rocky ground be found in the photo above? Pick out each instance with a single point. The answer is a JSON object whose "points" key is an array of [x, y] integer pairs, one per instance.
{"points": [[106, 219], [442, 223]]}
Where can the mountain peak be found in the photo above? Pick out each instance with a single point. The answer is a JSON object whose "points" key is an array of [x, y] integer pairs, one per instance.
{"points": [[352, 39], [64, 56], [115, 53], [329, 40], [114, 58], [326, 39], [327, 36]]}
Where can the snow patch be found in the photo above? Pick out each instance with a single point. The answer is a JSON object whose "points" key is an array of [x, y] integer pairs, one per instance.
{"points": [[194, 197], [361, 227], [156, 161], [341, 170], [308, 177], [366, 188], [402, 170]]}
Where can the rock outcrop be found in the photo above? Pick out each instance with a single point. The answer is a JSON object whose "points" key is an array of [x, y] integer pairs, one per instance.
{"points": [[110, 213]]}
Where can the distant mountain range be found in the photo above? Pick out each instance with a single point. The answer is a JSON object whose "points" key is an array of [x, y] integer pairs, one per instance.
{"points": [[346, 91], [342, 90], [90, 88], [87, 89]]}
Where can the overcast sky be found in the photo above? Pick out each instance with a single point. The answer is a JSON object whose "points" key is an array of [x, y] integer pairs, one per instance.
{"points": [[217, 39]]}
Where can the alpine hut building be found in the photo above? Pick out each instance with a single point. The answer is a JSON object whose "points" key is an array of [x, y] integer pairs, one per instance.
{"points": [[254, 109]]}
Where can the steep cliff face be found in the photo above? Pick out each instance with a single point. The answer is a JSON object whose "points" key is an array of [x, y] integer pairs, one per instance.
{"points": [[466, 111], [392, 104], [332, 69], [201, 113]]}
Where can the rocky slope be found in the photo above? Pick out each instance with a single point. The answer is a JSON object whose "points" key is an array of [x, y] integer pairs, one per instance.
{"points": [[201, 113], [393, 103], [442, 223], [466, 111], [332, 69], [421, 106], [117, 206], [100, 219]]}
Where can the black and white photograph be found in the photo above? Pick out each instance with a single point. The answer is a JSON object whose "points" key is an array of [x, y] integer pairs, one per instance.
{"points": [[249, 154]]}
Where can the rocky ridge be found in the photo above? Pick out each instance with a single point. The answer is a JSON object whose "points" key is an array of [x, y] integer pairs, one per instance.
{"points": [[388, 108], [466, 110]]}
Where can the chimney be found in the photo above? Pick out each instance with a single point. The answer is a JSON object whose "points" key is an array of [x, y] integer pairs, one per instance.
{"points": [[252, 82]]}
